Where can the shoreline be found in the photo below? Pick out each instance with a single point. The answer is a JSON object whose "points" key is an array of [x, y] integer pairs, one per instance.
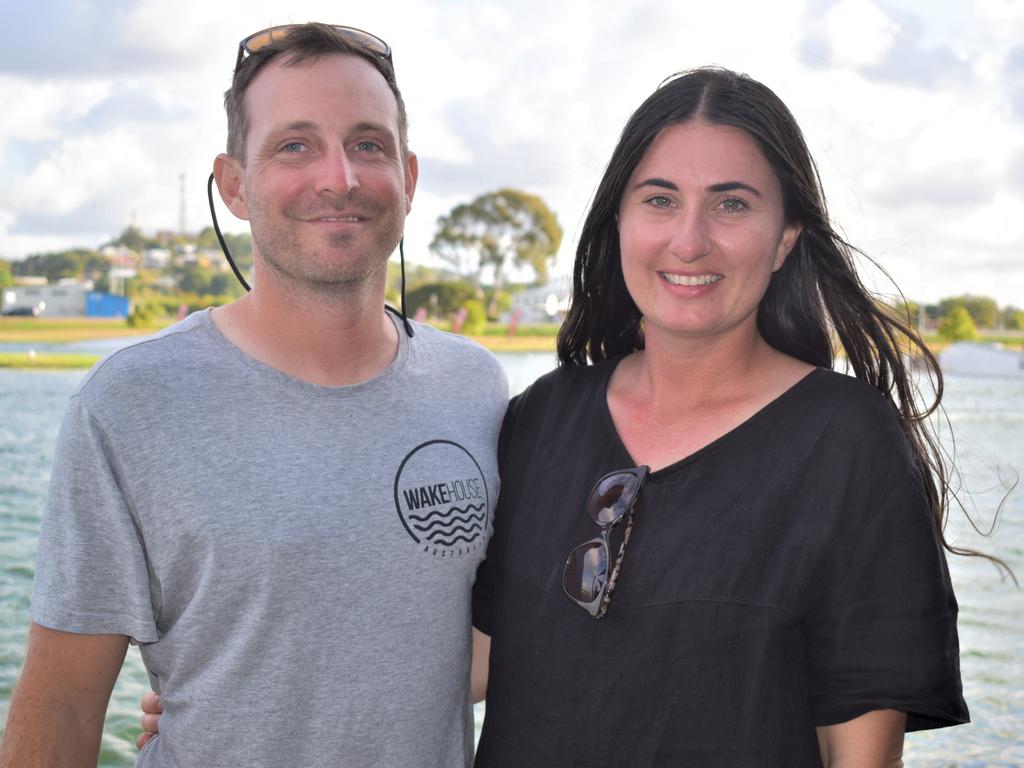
{"points": [[47, 332], [40, 359]]}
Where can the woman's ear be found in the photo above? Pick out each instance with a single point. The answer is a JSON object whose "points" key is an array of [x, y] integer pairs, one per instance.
{"points": [[790, 233]]}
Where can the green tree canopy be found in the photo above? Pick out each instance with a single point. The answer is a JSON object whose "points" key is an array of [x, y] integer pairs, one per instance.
{"points": [[983, 310], [441, 298], [958, 325], [1013, 318], [132, 237], [6, 278], [496, 232], [58, 265]]}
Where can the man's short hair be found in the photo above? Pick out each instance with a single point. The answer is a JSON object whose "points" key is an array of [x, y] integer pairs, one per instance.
{"points": [[302, 42]]}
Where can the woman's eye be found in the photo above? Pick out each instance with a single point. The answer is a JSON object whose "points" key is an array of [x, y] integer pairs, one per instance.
{"points": [[733, 205], [659, 201]]}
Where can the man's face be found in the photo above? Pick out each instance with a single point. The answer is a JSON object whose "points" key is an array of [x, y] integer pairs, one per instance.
{"points": [[326, 186]]}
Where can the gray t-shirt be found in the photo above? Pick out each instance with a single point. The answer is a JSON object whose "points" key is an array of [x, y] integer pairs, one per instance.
{"points": [[294, 560]]}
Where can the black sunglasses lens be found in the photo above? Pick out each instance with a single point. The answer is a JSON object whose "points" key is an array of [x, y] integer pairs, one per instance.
{"points": [[586, 572], [612, 497]]}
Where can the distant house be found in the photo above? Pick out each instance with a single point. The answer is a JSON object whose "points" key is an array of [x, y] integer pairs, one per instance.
{"points": [[547, 303], [971, 359], [156, 258], [121, 256], [63, 300]]}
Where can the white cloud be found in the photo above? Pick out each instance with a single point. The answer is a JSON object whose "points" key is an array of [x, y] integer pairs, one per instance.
{"points": [[40, 110], [533, 93], [859, 32]]}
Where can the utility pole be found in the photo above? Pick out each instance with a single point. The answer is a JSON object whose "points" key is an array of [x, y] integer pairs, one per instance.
{"points": [[181, 204]]}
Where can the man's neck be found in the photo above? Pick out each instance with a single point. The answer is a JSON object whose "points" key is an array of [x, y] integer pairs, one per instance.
{"points": [[333, 340]]}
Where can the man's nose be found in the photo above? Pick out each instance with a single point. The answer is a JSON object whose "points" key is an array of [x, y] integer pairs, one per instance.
{"points": [[337, 173]]}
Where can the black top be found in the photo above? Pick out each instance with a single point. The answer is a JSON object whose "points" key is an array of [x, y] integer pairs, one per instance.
{"points": [[785, 576]]}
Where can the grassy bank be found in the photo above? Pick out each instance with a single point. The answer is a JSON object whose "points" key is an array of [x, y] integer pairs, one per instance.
{"points": [[65, 330], [60, 330], [46, 360]]}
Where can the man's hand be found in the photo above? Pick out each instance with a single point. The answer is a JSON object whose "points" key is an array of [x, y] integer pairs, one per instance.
{"points": [[150, 719], [60, 702]]}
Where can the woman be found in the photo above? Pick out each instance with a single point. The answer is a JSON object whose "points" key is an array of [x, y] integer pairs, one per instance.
{"points": [[783, 598]]}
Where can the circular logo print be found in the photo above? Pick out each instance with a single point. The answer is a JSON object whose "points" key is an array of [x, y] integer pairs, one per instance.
{"points": [[441, 497]]}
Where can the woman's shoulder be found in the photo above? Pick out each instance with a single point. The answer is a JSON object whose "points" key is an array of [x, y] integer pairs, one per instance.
{"points": [[852, 414], [852, 398], [566, 383]]}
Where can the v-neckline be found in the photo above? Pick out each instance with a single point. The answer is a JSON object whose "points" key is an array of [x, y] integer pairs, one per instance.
{"points": [[715, 444]]}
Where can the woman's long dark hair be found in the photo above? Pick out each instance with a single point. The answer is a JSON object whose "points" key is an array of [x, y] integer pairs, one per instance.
{"points": [[814, 298]]}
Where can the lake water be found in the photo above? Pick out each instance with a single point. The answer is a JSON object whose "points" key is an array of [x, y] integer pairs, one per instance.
{"points": [[988, 419]]}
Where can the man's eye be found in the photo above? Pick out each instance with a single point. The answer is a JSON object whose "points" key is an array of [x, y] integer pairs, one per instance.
{"points": [[368, 146], [294, 146], [734, 205]]}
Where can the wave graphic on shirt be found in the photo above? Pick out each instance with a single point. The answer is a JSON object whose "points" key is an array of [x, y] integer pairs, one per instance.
{"points": [[440, 528], [442, 499], [453, 515]]}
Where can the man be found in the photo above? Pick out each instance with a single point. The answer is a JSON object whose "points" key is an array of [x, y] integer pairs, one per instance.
{"points": [[282, 502]]}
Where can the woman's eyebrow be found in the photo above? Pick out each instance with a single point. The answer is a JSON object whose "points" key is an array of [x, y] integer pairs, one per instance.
{"points": [[729, 186]]}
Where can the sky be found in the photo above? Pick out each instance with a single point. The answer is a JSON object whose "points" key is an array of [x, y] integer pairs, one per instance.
{"points": [[913, 109]]}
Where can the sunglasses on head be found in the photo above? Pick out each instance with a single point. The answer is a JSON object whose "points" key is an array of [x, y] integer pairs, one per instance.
{"points": [[357, 37], [586, 579]]}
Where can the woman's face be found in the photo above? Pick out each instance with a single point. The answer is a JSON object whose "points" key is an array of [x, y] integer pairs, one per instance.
{"points": [[701, 229]]}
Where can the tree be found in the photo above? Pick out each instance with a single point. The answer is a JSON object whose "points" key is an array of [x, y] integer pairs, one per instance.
{"points": [[983, 310], [6, 278], [132, 237], [54, 266], [440, 299], [1013, 318], [207, 238], [476, 318], [193, 279], [497, 232], [958, 326], [222, 284]]}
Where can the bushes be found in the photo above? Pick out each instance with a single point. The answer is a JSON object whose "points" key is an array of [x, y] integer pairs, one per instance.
{"points": [[958, 326], [441, 299], [476, 318]]}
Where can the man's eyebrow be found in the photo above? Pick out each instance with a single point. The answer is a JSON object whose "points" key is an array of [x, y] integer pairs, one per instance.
{"points": [[306, 125], [368, 126], [301, 125]]}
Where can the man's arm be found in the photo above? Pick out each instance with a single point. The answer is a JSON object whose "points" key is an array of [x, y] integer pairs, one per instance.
{"points": [[873, 740], [60, 702]]}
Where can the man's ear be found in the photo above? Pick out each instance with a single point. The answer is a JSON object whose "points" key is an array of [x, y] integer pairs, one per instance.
{"points": [[412, 173], [230, 177]]}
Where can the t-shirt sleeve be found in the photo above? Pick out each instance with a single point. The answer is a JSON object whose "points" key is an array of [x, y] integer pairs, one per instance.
{"points": [[883, 633], [91, 569], [484, 586]]}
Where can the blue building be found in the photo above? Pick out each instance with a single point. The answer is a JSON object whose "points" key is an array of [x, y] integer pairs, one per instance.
{"points": [[106, 305]]}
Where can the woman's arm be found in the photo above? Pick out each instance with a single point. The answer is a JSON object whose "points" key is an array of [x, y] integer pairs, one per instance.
{"points": [[478, 671], [873, 740]]}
